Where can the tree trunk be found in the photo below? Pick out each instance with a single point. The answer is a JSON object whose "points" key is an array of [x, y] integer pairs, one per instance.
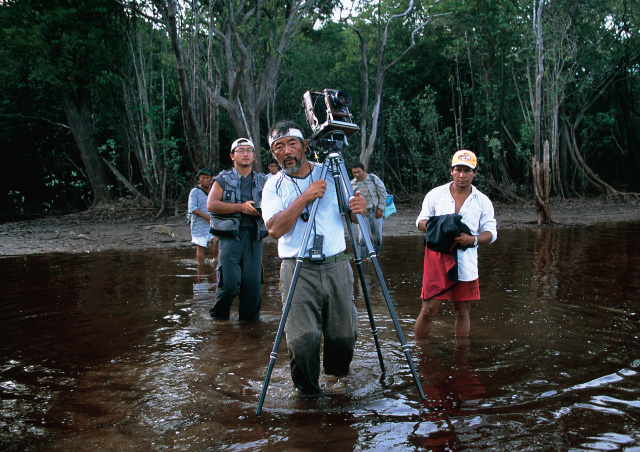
{"points": [[588, 172], [540, 163], [214, 83], [496, 162], [541, 186], [477, 113], [79, 118], [191, 126], [574, 149], [129, 186]]}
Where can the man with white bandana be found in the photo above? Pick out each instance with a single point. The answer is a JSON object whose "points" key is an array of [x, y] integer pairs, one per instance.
{"points": [[323, 302]]}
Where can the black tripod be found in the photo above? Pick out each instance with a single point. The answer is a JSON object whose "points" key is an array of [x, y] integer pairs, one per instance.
{"points": [[335, 162]]}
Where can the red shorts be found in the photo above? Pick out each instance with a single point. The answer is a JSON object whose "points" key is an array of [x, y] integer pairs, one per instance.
{"points": [[463, 291]]}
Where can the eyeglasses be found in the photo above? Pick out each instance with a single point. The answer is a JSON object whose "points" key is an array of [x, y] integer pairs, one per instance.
{"points": [[243, 151]]}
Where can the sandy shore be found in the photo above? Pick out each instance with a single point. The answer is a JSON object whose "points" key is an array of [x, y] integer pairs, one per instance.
{"points": [[122, 227]]}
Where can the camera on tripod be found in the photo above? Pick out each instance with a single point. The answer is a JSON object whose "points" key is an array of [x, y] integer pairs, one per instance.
{"points": [[328, 116]]}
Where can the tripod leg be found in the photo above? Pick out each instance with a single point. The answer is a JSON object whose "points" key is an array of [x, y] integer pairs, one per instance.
{"points": [[374, 330], [365, 293], [383, 286], [394, 317], [276, 344]]}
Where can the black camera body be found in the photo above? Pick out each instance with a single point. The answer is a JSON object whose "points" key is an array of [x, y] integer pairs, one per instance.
{"points": [[327, 111]]}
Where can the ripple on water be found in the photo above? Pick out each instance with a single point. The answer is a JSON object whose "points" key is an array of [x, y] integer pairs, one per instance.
{"points": [[116, 350]]}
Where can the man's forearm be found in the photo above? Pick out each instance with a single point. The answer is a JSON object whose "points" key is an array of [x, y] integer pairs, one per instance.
{"points": [[223, 208], [282, 222]]}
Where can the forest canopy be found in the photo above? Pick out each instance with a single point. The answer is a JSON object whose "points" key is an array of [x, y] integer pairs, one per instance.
{"points": [[109, 99]]}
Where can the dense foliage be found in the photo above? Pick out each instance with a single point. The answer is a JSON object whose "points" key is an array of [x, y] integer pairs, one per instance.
{"points": [[105, 99]]}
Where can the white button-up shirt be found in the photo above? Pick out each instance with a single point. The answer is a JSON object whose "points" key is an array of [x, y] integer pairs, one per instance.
{"points": [[477, 213]]}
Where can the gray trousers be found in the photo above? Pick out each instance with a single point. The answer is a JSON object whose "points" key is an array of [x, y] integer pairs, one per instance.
{"points": [[322, 305], [239, 273], [375, 226]]}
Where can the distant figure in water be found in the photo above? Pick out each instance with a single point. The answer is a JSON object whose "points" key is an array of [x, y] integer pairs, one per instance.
{"points": [[273, 168], [458, 206], [199, 217]]}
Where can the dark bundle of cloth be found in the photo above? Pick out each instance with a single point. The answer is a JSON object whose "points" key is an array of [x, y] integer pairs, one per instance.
{"points": [[440, 255]]}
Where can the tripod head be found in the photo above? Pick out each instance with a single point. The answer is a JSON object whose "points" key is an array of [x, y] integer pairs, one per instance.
{"points": [[334, 141]]}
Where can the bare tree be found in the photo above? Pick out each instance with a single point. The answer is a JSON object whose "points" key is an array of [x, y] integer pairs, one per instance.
{"points": [[242, 31], [368, 136], [141, 128], [193, 132], [250, 39], [540, 163], [573, 126]]}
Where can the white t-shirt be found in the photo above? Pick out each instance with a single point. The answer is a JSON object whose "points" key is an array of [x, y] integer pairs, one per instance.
{"points": [[477, 213], [280, 191]]}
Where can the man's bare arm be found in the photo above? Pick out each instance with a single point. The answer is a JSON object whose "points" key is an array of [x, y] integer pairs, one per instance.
{"points": [[282, 222]]}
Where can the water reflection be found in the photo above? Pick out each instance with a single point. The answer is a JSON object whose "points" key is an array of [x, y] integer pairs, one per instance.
{"points": [[116, 351], [452, 389], [547, 251]]}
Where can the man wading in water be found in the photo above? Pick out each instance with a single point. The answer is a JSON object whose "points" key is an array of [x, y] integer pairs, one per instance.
{"points": [[462, 198]]}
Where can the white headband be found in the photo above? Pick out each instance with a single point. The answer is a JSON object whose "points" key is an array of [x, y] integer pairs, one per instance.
{"points": [[289, 133]]}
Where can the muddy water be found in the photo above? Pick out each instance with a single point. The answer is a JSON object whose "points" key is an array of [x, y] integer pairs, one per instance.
{"points": [[115, 351]]}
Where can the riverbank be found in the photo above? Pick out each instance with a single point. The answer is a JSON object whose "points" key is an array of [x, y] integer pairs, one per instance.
{"points": [[130, 227]]}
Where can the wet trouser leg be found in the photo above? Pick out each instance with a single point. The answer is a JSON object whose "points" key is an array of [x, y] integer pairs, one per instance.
{"points": [[322, 304], [375, 227], [239, 273], [250, 296]]}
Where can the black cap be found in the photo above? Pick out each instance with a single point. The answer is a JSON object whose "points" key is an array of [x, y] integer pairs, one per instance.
{"points": [[206, 171]]}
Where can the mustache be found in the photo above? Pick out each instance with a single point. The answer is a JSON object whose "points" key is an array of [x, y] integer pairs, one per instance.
{"points": [[292, 169]]}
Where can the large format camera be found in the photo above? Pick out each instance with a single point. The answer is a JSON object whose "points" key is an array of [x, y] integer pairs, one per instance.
{"points": [[328, 116]]}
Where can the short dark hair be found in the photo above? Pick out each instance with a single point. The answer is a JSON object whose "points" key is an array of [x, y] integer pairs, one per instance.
{"points": [[358, 165], [273, 161]]}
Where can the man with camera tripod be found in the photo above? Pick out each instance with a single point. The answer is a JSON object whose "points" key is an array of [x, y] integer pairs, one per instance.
{"points": [[323, 302]]}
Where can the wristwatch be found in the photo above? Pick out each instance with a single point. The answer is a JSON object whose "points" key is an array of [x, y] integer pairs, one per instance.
{"points": [[475, 240]]}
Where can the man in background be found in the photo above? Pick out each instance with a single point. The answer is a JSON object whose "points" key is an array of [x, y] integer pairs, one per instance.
{"points": [[199, 216], [374, 192], [234, 201], [273, 168]]}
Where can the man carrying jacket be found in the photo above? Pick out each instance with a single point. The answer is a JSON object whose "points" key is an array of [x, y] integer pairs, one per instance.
{"points": [[234, 201], [462, 198]]}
